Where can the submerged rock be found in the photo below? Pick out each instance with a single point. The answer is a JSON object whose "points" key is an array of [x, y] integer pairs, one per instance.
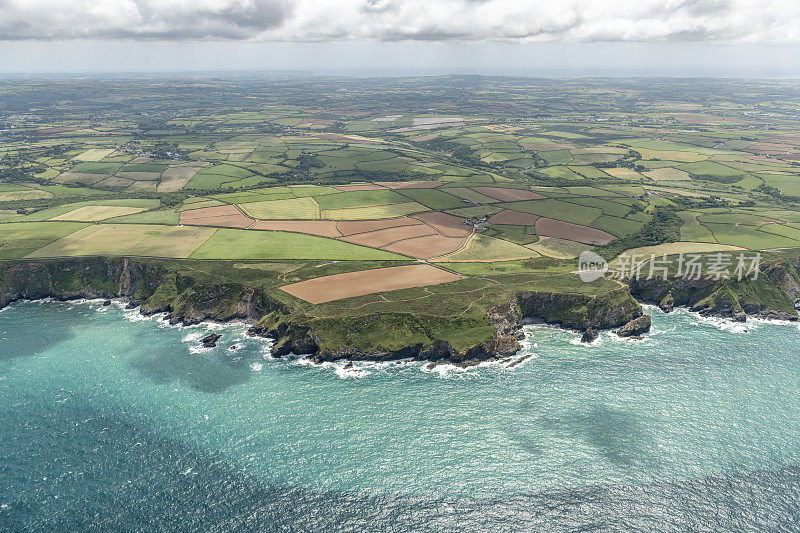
{"points": [[635, 327], [106, 302], [210, 340]]}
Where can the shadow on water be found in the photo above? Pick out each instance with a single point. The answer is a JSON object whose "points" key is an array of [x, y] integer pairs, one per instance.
{"points": [[213, 371], [19, 342], [617, 436], [78, 469]]}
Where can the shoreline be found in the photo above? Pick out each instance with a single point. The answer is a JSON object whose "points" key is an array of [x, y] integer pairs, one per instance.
{"points": [[344, 367], [336, 333]]}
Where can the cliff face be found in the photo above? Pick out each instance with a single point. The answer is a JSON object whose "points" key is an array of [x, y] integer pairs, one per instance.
{"points": [[143, 283], [579, 311], [77, 278], [772, 295]]}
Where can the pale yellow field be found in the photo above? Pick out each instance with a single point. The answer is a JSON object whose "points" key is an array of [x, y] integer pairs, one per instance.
{"points": [[94, 154], [671, 155], [559, 248], [290, 209], [128, 239], [623, 173], [95, 213], [484, 248], [28, 194], [667, 174], [373, 212]]}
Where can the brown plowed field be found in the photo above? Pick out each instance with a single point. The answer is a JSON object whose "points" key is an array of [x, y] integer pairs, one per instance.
{"points": [[769, 148], [365, 187], [508, 195], [363, 226], [572, 232], [323, 228], [426, 247], [226, 216], [447, 225], [339, 286], [409, 184], [514, 218], [376, 239]]}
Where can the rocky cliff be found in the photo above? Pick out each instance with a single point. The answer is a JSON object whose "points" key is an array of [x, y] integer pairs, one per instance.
{"points": [[771, 295]]}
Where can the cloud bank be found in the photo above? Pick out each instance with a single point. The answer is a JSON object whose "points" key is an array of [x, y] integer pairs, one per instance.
{"points": [[753, 21]]}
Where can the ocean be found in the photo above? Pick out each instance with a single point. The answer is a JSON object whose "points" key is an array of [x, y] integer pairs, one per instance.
{"points": [[116, 422]]}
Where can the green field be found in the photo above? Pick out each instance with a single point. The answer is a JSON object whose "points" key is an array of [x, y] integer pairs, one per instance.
{"points": [[18, 239], [558, 210], [359, 198], [292, 209], [433, 198], [246, 244]]}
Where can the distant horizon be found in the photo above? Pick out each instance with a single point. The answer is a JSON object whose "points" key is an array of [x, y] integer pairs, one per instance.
{"points": [[545, 60]]}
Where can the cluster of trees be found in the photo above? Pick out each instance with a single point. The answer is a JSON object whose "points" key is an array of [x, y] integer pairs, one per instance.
{"points": [[306, 161], [458, 151], [665, 226], [13, 169], [629, 161], [776, 193]]}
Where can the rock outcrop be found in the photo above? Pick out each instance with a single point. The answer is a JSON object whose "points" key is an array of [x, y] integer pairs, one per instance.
{"points": [[635, 328], [590, 335], [210, 340]]}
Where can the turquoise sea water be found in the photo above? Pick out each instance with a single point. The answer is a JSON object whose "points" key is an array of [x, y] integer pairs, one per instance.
{"points": [[115, 422]]}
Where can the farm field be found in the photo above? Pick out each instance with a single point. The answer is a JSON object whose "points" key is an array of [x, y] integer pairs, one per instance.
{"points": [[127, 239], [248, 244], [351, 284], [482, 248], [353, 172]]}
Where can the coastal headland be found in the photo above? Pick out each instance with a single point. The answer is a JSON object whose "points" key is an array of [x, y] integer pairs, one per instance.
{"points": [[477, 317]]}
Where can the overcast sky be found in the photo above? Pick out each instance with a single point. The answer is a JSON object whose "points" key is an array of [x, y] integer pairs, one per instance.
{"points": [[549, 37]]}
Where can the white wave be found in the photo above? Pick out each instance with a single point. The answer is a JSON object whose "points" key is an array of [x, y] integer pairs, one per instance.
{"points": [[133, 315], [773, 321], [194, 336], [199, 348], [616, 338], [576, 341], [725, 324], [350, 371], [446, 370], [256, 367]]}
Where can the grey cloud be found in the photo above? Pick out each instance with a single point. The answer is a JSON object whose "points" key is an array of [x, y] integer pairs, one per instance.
{"points": [[763, 21]]}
